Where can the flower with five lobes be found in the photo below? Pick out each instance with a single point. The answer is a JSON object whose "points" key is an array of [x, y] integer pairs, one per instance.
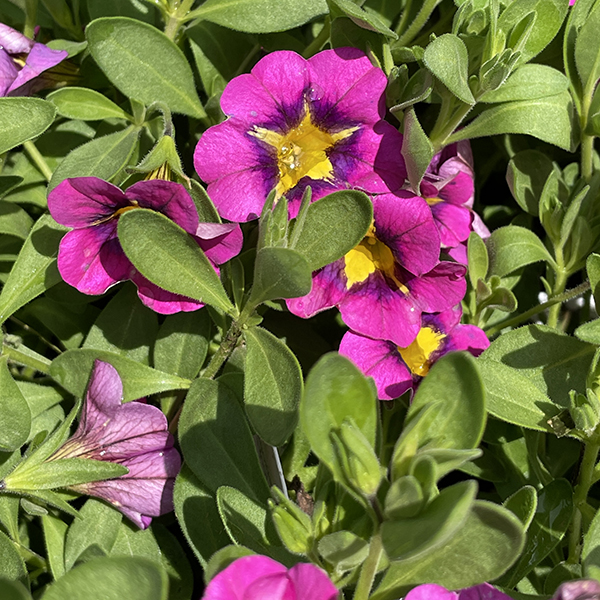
{"points": [[90, 257], [22, 61], [384, 284], [258, 577], [396, 369], [294, 123]]}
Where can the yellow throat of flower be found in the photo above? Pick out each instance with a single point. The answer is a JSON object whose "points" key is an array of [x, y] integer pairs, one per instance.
{"points": [[302, 151], [369, 256], [417, 355]]}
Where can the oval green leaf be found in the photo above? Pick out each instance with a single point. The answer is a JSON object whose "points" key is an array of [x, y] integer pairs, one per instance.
{"points": [[22, 119], [85, 104], [15, 416]]}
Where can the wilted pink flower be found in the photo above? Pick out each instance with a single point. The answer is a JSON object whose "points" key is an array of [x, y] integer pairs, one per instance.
{"points": [[396, 369], [430, 591], [90, 257], [22, 61], [578, 589], [258, 577], [394, 275], [134, 435], [294, 123]]}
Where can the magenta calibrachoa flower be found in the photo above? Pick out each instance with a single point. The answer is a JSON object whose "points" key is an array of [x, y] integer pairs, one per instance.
{"points": [[90, 257], [22, 61], [259, 577], [134, 435], [396, 369], [431, 591], [295, 122], [394, 275]]}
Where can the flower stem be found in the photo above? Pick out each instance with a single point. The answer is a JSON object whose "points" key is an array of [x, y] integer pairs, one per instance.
{"points": [[38, 159], [224, 351], [29, 358], [369, 568], [319, 41], [555, 300], [416, 26], [586, 473], [559, 287], [30, 17], [442, 138]]}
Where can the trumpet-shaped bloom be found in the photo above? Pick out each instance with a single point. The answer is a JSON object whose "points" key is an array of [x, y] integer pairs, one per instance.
{"points": [[295, 122], [431, 591], [259, 577], [394, 275], [397, 369], [90, 257], [22, 61], [134, 435]]}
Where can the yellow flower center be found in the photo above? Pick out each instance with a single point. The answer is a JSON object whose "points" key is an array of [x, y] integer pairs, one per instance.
{"points": [[416, 356], [302, 151], [369, 256], [117, 213], [433, 201]]}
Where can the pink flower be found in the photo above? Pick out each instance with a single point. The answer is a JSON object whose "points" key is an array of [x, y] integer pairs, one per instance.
{"points": [[22, 61], [134, 435], [295, 122], [430, 591], [258, 577], [90, 257]]}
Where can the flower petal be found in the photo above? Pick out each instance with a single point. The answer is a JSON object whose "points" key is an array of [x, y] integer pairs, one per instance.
{"points": [[40, 59], [92, 259], [430, 591], [8, 71], [311, 582], [443, 287], [453, 223], [483, 591], [13, 41], [466, 337], [160, 300], [219, 241], [168, 198], [274, 587], [81, 201]]}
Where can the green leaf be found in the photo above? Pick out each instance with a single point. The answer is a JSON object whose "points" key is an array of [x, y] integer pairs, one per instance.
{"points": [[93, 533], [592, 267], [280, 273], [22, 119], [12, 566], [335, 390], [210, 413], [190, 273], [144, 64], [513, 247], [8, 182], [15, 416], [554, 362], [447, 58], [55, 534], [197, 514], [526, 176], [272, 386], [13, 590], [364, 19], [72, 370], [478, 260], [333, 226], [590, 554], [110, 578], [102, 157], [549, 525], [260, 16], [343, 549], [85, 104], [589, 332], [549, 119], [512, 397], [523, 504], [482, 549], [587, 50], [14, 220], [417, 150], [432, 527], [35, 270]]}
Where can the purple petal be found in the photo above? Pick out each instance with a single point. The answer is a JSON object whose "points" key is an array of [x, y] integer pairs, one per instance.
{"points": [[13, 41], [274, 587], [479, 227], [162, 463], [443, 287], [466, 337], [40, 59], [404, 223], [483, 591], [219, 241], [160, 300], [579, 589], [168, 198], [311, 582], [459, 253], [272, 93], [430, 591], [444, 321], [8, 71], [92, 259], [380, 360], [81, 201], [328, 289], [453, 223], [231, 583]]}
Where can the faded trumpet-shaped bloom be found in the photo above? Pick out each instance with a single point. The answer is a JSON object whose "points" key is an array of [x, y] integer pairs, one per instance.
{"points": [[431, 591], [295, 122], [258, 577], [397, 369], [22, 62], [90, 257], [134, 435], [384, 284]]}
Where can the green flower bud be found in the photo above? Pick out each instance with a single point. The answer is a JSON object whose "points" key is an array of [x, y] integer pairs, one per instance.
{"points": [[294, 526]]}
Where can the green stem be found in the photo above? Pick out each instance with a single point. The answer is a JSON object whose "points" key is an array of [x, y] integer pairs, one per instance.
{"points": [[402, 23], [440, 139], [586, 473], [38, 159], [28, 359], [319, 41], [420, 20], [587, 156], [177, 19], [517, 320], [369, 568], [30, 17], [559, 287]]}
